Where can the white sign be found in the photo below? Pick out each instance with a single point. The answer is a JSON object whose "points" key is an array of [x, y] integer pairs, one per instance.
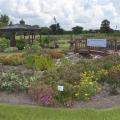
{"points": [[60, 88], [97, 42]]}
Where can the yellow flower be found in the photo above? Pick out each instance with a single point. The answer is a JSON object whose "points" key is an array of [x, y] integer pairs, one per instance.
{"points": [[75, 86], [77, 94], [86, 94], [91, 83]]}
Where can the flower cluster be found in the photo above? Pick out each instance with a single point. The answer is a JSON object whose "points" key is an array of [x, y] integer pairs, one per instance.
{"points": [[85, 89], [88, 85], [42, 93]]}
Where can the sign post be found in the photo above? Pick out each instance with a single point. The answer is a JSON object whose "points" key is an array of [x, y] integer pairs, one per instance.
{"points": [[60, 88]]}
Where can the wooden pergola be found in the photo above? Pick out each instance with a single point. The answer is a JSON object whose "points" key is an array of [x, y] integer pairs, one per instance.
{"points": [[12, 30]]}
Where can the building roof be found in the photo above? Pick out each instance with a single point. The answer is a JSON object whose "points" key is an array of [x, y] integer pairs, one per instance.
{"points": [[19, 27]]}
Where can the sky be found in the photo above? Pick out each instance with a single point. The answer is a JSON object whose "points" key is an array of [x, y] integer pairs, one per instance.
{"points": [[69, 13]]}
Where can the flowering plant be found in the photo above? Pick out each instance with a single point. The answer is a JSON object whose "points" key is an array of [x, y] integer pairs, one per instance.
{"points": [[42, 93]]}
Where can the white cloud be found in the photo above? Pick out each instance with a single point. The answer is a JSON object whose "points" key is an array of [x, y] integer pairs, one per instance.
{"points": [[87, 13]]}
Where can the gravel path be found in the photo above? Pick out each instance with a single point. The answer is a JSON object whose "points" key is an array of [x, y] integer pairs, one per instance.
{"points": [[15, 98]]}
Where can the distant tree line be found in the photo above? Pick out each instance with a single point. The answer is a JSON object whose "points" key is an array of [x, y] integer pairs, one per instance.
{"points": [[57, 29]]}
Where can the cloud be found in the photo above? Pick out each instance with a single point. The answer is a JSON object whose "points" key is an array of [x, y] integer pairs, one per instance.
{"points": [[86, 13]]}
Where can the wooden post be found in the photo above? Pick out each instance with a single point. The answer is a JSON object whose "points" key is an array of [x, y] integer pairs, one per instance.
{"points": [[115, 45], [29, 37], [32, 37], [12, 39]]}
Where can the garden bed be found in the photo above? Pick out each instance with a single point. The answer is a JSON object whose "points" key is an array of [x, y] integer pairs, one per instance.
{"points": [[33, 77], [102, 100]]}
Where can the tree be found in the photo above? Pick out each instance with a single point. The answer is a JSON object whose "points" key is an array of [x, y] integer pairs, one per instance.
{"points": [[4, 20], [45, 30], [56, 29], [77, 29], [105, 26]]}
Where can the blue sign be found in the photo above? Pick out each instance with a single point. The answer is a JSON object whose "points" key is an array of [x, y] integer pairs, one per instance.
{"points": [[97, 42]]}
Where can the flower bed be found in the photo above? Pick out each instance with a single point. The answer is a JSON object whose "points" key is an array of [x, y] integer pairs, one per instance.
{"points": [[80, 81]]}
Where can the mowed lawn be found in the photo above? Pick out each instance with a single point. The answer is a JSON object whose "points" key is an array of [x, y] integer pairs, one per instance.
{"points": [[13, 112]]}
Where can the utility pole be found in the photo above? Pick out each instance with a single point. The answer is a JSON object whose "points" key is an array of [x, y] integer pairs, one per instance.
{"points": [[56, 31], [55, 23]]}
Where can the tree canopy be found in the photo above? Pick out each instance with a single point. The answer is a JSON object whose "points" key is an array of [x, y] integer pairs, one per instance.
{"points": [[105, 26], [4, 20], [77, 29], [56, 29]]}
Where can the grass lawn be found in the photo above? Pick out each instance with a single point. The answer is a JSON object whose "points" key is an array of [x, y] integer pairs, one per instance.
{"points": [[13, 112]]}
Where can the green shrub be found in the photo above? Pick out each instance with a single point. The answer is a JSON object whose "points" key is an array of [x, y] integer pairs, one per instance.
{"points": [[44, 42], [4, 43], [67, 72], [13, 82], [85, 89], [20, 44], [65, 95], [39, 62], [34, 48]]}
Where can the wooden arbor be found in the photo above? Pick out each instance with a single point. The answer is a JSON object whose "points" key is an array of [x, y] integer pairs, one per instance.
{"points": [[80, 46], [20, 29]]}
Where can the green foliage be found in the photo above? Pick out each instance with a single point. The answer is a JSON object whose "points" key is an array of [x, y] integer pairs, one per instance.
{"points": [[39, 62], [44, 42], [87, 86], [105, 27], [20, 44], [56, 29], [34, 48], [12, 82], [45, 30], [64, 71], [77, 30], [4, 43], [65, 95], [4, 20]]}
